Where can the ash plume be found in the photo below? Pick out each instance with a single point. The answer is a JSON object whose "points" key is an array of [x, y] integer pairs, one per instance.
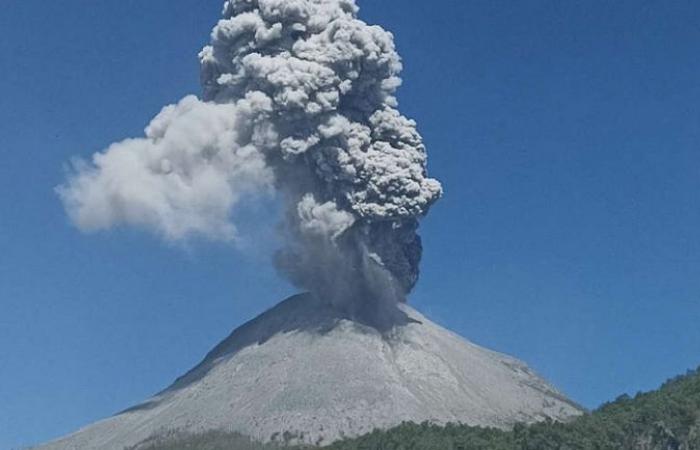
{"points": [[298, 99]]}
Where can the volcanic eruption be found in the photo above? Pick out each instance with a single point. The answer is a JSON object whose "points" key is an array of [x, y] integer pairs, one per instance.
{"points": [[299, 102], [298, 97]]}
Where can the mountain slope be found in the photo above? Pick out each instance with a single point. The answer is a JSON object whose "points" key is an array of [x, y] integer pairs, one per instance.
{"points": [[665, 419], [305, 371]]}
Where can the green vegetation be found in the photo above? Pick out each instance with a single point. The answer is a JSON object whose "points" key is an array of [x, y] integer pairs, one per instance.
{"points": [[666, 419]]}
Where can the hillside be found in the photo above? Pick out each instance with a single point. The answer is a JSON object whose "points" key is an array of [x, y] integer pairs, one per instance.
{"points": [[306, 372], [665, 419]]}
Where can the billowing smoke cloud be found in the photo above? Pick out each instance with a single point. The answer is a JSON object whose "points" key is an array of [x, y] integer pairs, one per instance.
{"points": [[298, 98]]}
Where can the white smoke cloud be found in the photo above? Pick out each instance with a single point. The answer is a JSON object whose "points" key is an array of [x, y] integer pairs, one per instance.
{"points": [[182, 179], [298, 97]]}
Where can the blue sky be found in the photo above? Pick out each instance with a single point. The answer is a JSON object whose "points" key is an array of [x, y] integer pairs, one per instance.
{"points": [[566, 135]]}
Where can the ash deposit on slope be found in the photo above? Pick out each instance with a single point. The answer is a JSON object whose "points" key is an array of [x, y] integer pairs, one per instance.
{"points": [[298, 99], [305, 369]]}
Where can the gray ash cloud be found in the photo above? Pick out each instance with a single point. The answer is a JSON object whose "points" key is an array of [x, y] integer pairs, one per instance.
{"points": [[298, 99]]}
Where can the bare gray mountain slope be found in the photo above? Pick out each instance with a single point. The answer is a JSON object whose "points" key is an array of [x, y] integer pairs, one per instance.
{"points": [[303, 368]]}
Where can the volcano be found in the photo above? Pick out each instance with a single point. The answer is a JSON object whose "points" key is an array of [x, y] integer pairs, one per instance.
{"points": [[311, 371]]}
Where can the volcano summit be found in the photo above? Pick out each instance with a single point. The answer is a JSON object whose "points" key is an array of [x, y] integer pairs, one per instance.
{"points": [[306, 369]]}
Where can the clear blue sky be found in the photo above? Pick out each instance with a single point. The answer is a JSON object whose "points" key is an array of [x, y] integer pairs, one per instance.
{"points": [[567, 136]]}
